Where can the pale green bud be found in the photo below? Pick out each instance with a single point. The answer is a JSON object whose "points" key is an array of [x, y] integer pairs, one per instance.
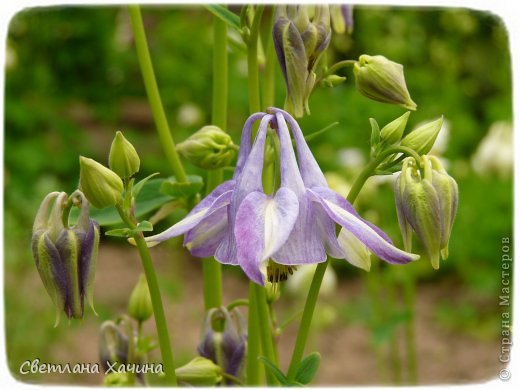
{"points": [[448, 194], [199, 372], [208, 148], [101, 186], [421, 207], [393, 131], [123, 158], [422, 139], [382, 80], [332, 81], [140, 303], [117, 379]]}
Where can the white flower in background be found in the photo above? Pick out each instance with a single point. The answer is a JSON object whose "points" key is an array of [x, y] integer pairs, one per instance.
{"points": [[189, 115], [494, 154], [351, 158], [302, 278]]}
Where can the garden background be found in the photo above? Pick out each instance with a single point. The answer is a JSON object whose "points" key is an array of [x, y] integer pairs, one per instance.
{"points": [[72, 80]]}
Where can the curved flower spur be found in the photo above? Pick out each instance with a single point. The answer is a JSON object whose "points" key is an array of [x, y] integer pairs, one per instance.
{"points": [[239, 224]]}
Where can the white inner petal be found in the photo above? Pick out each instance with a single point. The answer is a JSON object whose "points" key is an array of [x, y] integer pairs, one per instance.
{"points": [[270, 221]]}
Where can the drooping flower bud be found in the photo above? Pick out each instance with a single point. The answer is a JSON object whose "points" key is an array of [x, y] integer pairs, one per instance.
{"points": [[393, 131], [448, 193], [341, 17], [66, 256], [300, 38], [113, 345], [426, 201], [422, 139], [382, 80], [101, 186], [199, 372], [208, 148], [224, 344], [123, 158], [332, 81], [140, 303]]}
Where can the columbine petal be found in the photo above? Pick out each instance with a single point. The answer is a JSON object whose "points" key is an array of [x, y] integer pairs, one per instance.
{"points": [[249, 180], [354, 251], [263, 224], [304, 244], [194, 217], [365, 233], [204, 239]]}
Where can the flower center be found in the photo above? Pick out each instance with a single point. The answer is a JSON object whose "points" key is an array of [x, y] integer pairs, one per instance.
{"points": [[278, 272]]}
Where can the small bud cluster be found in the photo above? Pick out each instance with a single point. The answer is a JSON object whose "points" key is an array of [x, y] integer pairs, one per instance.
{"points": [[426, 200]]}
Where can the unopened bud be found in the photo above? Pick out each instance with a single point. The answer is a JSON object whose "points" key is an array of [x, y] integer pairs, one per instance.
{"points": [[66, 256], [422, 139], [382, 80], [101, 186], [140, 303], [208, 148], [341, 18], [199, 372], [123, 158], [393, 131], [113, 345]]}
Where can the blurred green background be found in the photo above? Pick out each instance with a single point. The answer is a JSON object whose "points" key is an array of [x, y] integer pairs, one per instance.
{"points": [[72, 80]]}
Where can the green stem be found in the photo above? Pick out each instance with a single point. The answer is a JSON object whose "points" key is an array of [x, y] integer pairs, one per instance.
{"points": [[211, 269], [312, 296], [155, 294], [152, 91], [338, 65], [308, 311], [411, 350], [270, 68], [266, 338], [252, 62], [253, 368]]}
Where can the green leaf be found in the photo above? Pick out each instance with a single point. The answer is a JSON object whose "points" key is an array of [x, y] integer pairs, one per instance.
{"points": [[144, 226], [375, 138], [308, 368], [175, 189], [124, 232], [149, 199], [274, 370], [139, 186], [224, 14]]}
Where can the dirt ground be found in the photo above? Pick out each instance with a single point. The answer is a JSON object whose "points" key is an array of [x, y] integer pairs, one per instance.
{"points": [[444, 356]]}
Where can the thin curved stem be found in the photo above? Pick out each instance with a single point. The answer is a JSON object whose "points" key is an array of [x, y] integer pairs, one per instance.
{"points": [[338, 65], [154, 98], [312, 296], [155, 293]]}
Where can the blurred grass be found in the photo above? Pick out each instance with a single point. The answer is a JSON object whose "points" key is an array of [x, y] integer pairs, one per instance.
{"points": [[72, 80]]}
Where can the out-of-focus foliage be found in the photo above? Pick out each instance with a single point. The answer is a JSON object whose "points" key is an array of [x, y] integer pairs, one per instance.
{"points": [[72, 80]]}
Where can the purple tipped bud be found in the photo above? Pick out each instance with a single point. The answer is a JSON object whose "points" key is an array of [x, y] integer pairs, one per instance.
{"points": [[224, 347], [66, 256], [113, 345], [341, 16]]}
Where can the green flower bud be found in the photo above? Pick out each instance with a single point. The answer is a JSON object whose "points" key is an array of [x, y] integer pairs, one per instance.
{"points": [[393, 131], [113, 345], [123, 158], [382, 80], [140, 303], [101, 186], [199, 372], [341, 18], [422, 139], [448, 194], [421, 207], [117, 379], [332, 81], [301, 34], [66, 256], [208, 148]]}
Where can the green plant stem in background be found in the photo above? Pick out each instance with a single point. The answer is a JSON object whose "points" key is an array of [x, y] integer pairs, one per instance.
{"points": [[252, 62], [411, 348], [154, 98], [270, 68], [266, 338], [338, 65], [155, 293], [211, 269], [253, 368], [312, 296]]}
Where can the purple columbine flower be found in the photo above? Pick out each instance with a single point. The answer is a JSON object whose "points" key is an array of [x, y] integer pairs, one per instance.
{"points": [[240, 224]]}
